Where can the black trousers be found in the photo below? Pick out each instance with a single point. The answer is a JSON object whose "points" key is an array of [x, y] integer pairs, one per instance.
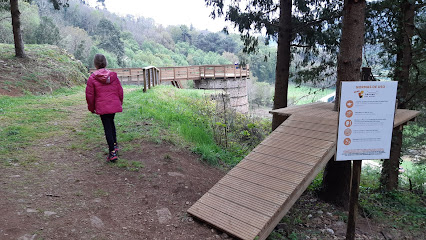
{"points": [[109, 128]]}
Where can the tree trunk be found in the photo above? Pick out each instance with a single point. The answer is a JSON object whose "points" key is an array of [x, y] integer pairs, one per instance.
{"points": [[390, 168], [335, 185], [337, 175], [350, 53], [283, 60], [16, 25]]}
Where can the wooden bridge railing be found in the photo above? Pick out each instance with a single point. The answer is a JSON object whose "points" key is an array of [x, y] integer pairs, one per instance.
{"points": [[148, 76], [151, 76], [203, 72]]}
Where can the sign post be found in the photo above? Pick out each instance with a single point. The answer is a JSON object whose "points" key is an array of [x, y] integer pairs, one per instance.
{"points": [[366, 116]]}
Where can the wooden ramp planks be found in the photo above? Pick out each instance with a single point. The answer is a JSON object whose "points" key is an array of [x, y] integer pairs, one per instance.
{"points": [[256, 194]]}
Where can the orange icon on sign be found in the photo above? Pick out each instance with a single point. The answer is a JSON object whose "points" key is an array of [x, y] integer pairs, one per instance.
{"points": [[347, 141], [348, 123], [347, 132], [349, 113], [349, 103]]}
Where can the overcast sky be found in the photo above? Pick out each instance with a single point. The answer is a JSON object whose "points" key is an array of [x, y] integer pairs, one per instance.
{"points": [[169, 12]]}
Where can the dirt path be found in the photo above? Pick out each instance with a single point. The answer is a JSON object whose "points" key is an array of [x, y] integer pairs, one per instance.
{"points": [[67, 193]]}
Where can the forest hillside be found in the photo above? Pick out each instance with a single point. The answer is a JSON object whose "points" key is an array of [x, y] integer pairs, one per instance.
{"points": [[130, 41], [46, 69]]}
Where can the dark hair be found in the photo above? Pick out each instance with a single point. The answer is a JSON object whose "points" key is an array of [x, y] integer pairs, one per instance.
{"points": [[100, 61]]}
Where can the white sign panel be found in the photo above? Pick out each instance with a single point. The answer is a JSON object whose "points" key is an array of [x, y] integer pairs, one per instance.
{"points": [[366, 118]]}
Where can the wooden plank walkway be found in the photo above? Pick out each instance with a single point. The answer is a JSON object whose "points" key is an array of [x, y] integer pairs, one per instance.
{"points": [[256, 194]]}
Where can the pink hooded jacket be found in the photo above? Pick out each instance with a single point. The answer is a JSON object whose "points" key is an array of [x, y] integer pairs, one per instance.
{"points": [[104, 94]]}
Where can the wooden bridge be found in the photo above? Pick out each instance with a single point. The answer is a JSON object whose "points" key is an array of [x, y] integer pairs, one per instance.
{"points": [[255, 195], [151, 76]]}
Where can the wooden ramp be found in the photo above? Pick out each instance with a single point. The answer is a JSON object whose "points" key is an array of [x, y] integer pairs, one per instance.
{"points": [[255, 195]]}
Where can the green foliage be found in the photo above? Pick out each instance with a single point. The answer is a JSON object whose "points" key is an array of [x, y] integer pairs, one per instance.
{"points": [[263, 63], [315, 28], [133, 166], [26, 120], [402, 209], [47, 69], [414, 178], [317, 182], [29, 22], [109, 39], [386, 28], [76, 41], [177, 116], [128, 41], [182, 33], [370, 176], [111, 58], [235, 132], [414, 139], [405, 210], [47, 32], [261, 93], [298, 95], [216, 42]]}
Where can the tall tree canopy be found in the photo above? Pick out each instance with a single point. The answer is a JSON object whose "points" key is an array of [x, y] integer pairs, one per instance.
{"points": [[109, 39], [16, 22], [398, 26], [304, 26]]}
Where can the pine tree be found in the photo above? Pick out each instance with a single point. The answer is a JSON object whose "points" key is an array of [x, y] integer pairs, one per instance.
{"points": [[309, 25], [337, 175], [109, 39], [397, 31]]}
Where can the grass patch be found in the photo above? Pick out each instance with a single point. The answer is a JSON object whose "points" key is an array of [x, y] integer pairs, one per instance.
{"points": [[45, 69], [28, 120], [299, 95], [133, 166], [401, 209], [163, 114], [171, 115]]}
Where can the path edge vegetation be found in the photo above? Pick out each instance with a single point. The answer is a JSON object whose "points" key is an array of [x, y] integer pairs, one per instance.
{"points": [[398, 198], [146, 118]]}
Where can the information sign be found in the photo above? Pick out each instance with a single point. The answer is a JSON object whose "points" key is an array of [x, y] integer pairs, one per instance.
{"points": [[366, 116]]}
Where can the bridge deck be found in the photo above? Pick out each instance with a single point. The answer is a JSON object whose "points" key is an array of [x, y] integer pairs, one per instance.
{"points": [[254, 196]]}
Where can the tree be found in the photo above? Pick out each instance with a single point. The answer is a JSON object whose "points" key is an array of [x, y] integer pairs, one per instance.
{"points": [[337, 175], [390, 168], [395, 29], [308, 28], [16, 27], [109, 39], [259, 15], [263, 63], [47, 32], [76, 41], [282, 71], [16, 23]]}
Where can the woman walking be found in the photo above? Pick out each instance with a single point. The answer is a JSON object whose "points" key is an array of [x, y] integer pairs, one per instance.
{"points": [[104, 96]]}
